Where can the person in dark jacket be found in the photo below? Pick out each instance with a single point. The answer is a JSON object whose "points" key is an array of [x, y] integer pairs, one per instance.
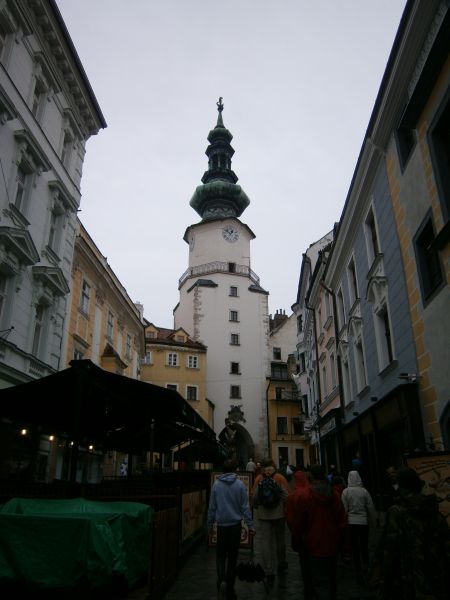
{"points": [[412, 560], [295, 499], [228, 506], [319, 521]]}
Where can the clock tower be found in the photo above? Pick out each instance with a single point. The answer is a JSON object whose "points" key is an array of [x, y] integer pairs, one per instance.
{"points": [[223, 305]]}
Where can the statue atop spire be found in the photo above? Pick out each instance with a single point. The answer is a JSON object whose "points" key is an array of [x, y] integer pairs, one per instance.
{"points": [[220, 104]]}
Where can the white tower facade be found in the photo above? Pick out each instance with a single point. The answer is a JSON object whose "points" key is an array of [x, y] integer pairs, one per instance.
{"points": [[223, 305]]}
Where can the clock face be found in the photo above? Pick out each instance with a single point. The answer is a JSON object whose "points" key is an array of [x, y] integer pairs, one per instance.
{"points": [[230, 233]]}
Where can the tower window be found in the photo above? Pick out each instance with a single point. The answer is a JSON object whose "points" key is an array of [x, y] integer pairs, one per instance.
{"points": [[232, 267], [234, 368], [233, 291], [234, 339], [234, 315], [235, 391]]}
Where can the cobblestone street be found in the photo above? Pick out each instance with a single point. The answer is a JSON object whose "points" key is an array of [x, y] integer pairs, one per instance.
{"points": [[197, 579]]}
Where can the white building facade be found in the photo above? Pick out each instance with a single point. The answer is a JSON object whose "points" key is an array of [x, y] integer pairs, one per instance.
{"points": [[223, 306], [47, 113]]}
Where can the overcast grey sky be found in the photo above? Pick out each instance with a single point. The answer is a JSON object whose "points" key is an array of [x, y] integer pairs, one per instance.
{"points": [[299, 80]]}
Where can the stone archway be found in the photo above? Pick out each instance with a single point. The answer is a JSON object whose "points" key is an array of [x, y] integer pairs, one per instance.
{"points": [[238, 441]]}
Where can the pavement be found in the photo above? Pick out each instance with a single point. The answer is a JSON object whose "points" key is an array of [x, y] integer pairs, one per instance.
{"points": [[197, 579]]}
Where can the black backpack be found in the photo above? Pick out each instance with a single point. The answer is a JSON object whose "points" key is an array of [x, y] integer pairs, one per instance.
{"points": [[269, 493]]}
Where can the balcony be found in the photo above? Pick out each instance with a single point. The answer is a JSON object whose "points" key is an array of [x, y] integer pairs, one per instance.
{"points": [[218, 267]]}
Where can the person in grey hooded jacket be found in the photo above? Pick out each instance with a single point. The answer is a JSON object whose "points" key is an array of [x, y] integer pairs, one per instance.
{"points": [[228, 505], [361, 512]]}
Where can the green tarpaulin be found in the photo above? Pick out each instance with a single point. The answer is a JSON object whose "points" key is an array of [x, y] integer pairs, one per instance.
{"points": [[73, 543]]}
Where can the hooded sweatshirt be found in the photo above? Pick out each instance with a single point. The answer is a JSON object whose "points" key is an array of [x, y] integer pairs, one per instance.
{"points": [[295, 499], [320, 519], [228, 503], [357, 501]]}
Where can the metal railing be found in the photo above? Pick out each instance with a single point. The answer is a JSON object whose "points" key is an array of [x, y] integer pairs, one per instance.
{"points": [[218, 267]]}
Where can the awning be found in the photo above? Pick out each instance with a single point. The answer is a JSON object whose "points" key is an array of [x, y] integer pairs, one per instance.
{"points": [[88, 404]]}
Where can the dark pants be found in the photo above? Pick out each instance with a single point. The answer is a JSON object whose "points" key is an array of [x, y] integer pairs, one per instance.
{"points": [[359, 535], [323, 576], [227, 548], [305, 569]]}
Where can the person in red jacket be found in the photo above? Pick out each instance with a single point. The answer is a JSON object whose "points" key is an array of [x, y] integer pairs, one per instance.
{"points": [[319, 521], [298, 496]]}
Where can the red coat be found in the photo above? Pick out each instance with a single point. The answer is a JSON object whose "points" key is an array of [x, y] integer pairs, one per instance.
{"points": [[316, 518]]}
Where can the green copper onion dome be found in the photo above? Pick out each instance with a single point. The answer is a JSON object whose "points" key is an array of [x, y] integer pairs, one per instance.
{"points": [[219, 196]]}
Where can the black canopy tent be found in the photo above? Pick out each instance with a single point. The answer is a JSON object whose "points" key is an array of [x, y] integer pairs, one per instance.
{"points": [[92, 406]]}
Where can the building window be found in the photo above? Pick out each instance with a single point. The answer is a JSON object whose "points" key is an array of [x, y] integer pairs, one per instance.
{"points": [[352, 282], [172, 359], [191, 392], [277, 354], [78, 354], [279, 371], [85, 295], [328, 305], [147, 359], [372, 244], [324, 382], [235, 391], [39, 326], [361, 379], [234, 316], [301, 362], [299, 323], [427, 258], [38, 100], [233, 291], [340, 308], [439, 140], [110, 326], [297, 426], [234, 368], [172, 386], [66, 151], [333, 370], [192, 362], [23, 180], [282, 428], [128, 346], [234, 339], [232, 267], [346, 383], [384, 338], [278, 393]]}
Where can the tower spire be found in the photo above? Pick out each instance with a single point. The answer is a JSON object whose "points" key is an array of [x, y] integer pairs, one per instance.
{"points": [[219, 196]]}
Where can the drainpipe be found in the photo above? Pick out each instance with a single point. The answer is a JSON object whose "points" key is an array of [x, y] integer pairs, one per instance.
{"points": [[339, 369], [319, 390], [269, 448]]}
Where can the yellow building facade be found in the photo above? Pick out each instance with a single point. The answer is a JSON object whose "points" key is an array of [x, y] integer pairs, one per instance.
{"points": [[104, 326], [173, 360]]}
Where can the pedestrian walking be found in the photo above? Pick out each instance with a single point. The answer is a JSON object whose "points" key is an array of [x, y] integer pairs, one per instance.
{"points": [[361, 512], [251, 466], [412, 560], [319, 522], [269, 494], [296, 498], [228, 506]]}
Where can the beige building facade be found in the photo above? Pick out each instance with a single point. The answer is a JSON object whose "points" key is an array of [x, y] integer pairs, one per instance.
{"points": [[174, 360]]}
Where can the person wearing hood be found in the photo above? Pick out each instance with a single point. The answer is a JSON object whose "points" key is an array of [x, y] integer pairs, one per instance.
{"points": [[295, 499], [412, 560], [360, 511], [319, 521], [228, 506]]}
